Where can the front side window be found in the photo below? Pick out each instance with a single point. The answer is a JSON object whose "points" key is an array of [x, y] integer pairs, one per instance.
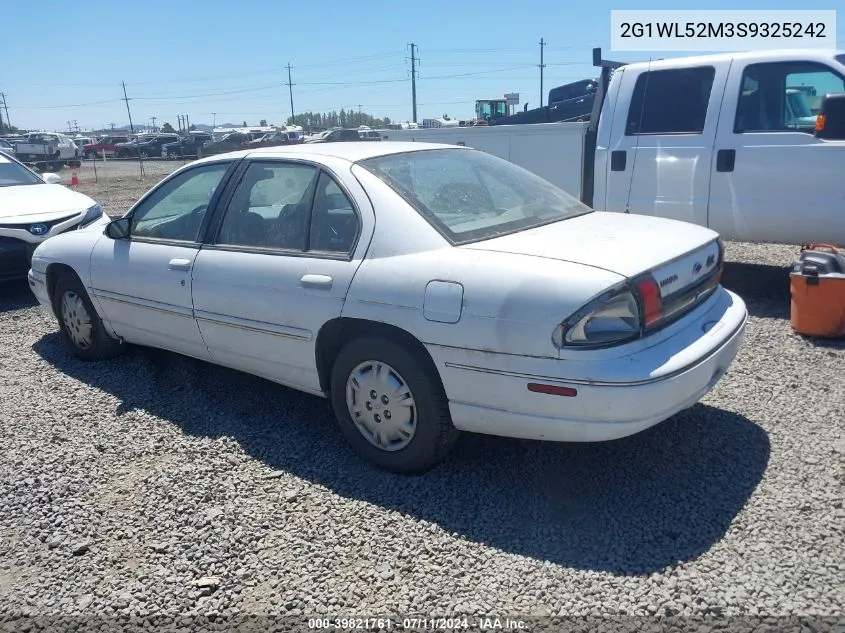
{"points": [[784, 96], [468, 195], [670, 101], [270, 207], [176, 209]]}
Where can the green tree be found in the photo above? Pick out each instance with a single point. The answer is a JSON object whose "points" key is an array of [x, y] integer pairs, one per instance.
{"points": [[167, 128], [192, 128], [262, 123]]}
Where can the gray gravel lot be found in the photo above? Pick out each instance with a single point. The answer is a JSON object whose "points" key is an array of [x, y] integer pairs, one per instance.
{"points": [[156, 484]]}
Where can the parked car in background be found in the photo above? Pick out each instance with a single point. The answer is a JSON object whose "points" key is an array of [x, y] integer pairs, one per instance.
{"points": [[34, 208], [147, 145], [105, 145], [334, 136], [46, 146], [188, 145], [81, 142], [227, 143], [369, 135], [362, 273], [270, 140], [7, 147]]}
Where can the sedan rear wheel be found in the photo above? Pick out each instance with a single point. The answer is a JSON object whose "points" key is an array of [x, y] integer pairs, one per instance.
{"points": [[382, 406], [391, 405], [83, 330]]}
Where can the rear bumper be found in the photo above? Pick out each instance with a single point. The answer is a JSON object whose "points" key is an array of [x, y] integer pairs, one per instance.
{"points": [[616, 397]]}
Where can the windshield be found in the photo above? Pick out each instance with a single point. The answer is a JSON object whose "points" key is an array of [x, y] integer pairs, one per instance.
{"points": [[468, 195], [12, 174]]}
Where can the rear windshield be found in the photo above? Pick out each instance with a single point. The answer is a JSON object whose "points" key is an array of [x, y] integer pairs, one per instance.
{"points": [[468, 195]]}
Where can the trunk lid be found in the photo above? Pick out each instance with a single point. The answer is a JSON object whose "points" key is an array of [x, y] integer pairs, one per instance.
{"points": [[678, 254]]}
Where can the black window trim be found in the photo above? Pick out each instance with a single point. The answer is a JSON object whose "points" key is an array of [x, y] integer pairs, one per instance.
{"points": [[662, 70], [213, 229], [215, 199], [793, 62]]}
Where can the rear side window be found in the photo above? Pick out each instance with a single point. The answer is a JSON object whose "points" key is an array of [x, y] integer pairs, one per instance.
{"points": [[670, 101]]}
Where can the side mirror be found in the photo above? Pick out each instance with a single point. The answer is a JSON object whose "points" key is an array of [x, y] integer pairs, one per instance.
{"points": [[119, 229], [51, 178], [830, 123]]}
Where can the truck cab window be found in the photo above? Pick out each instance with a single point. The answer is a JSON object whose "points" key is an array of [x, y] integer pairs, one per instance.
{"points": [[670, 101], [783, 96]]}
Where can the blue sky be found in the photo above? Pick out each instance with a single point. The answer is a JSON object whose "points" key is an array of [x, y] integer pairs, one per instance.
{"points": [[196, 58]]}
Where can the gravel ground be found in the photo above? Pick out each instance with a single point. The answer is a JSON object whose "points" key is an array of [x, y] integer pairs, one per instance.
{"points": [[157, 485]]}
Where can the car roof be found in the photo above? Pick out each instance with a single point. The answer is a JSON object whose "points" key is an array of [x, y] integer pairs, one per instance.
{"points": [[351, 151]]}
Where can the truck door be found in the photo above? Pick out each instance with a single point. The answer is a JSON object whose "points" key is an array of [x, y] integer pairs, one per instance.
{"points": [[662, 141], [772, 179]]}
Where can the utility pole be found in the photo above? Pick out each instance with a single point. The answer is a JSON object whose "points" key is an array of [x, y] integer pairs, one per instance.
{"points": [[414, 61], [6, 108], [213, 121], [1, 123], [187, 124], [290, 86], [153, 119], [542, 66], [127, 100]]}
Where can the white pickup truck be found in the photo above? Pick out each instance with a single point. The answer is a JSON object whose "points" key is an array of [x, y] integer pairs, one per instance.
{"points": [[48, 148], [725, 141]]}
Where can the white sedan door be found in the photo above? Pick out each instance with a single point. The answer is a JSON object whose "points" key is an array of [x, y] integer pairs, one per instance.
{"points": [[143, 283], [285, 252]]}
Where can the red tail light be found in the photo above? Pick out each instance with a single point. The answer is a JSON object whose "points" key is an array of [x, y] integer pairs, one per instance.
{"points": [[652, 302]]}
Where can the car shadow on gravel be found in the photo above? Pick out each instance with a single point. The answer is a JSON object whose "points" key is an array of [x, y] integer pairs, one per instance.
{"points": [[764, 288], [16, 295], [627, 507]]}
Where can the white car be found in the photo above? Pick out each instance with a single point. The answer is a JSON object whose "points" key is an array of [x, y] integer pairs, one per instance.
{"points": [[425, 289], [34, 208]]}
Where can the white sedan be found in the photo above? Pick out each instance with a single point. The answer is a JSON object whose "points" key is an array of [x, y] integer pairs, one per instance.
{"points": [[34, 208], [424, 289]]}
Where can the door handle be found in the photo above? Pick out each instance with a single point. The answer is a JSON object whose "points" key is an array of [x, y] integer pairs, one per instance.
{"points": [[179, 264], [725, 159], [618, 158], [316, 281]]}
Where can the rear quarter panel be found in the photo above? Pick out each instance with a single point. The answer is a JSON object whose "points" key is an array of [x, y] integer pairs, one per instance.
{"points": [[511, 304]]}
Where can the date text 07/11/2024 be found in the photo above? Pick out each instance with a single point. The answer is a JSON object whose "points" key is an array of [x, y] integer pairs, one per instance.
{"points": [[417, 624]]}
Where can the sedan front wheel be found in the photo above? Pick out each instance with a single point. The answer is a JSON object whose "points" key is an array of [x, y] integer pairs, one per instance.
{"points": [[391, 405], [81, 326]]}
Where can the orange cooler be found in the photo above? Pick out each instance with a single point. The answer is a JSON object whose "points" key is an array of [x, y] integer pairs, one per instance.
{"points": [[817, 287]]}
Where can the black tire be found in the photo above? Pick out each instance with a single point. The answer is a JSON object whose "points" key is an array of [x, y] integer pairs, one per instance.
{"points": [[89, 155], [434, 435], [102, 345]]}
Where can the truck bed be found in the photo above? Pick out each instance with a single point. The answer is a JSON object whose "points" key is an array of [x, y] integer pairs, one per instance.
{"points": [[554, 151]]}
